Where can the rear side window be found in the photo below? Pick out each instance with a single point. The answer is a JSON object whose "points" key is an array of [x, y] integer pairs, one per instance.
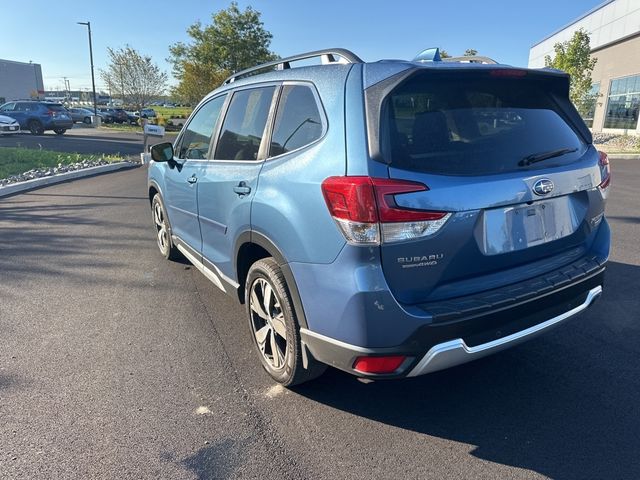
{"points": [[244, 124], [195, 140], [472, 125], [298, 121]]}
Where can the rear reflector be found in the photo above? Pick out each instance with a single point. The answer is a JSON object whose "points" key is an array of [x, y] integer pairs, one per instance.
{"points": [[378, 364], [365, 209]]}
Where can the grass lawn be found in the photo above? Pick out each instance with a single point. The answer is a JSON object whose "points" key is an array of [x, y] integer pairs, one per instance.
{"points": [[172, 112], [19, 160]]}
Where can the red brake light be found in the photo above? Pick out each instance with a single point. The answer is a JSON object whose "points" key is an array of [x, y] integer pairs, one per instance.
{"points": [[378, 364], [389, 211], [50, 113], [605, 170], [368, 200], [350, 198], [508, 72], [366, 211]]}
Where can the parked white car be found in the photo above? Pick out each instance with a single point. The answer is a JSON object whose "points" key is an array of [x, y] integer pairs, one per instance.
{"points": [[8, 125]]}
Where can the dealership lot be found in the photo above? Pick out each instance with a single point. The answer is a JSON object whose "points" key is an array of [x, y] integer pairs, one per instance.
{"points": [[82, 140], [117, 364]]}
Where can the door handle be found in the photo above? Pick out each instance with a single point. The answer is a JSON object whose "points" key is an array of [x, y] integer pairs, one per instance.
{"points": [[192, 179], [242, 189]]}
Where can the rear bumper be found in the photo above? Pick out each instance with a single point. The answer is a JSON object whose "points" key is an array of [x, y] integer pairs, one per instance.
{"points": [[60, 124], [456, 352], [446, 344]]}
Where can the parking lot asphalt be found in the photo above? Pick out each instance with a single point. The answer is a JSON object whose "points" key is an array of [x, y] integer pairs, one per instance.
{"points": [[117, 364], [82, 139]]}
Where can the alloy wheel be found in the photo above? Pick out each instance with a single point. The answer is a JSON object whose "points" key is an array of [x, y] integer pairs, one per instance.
{"points": [[161, 226], [268, 323]]}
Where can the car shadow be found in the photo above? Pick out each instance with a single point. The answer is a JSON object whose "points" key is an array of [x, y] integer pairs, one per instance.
{"points": [[565, 405]]}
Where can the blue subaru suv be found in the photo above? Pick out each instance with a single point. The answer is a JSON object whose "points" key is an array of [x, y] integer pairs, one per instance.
{"points": [[391, 218], [37, 116]]}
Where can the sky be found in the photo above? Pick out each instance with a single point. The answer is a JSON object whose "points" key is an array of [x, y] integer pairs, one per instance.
{"points": [[46, 32]]}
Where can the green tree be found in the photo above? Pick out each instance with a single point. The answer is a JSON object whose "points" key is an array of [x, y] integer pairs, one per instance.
{"points": [[444, 54], [470, 52], [574, 57], [134, 77], [235, 40]]}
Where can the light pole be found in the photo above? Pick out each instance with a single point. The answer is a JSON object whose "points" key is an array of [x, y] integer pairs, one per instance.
{"points": [[93, 81]]}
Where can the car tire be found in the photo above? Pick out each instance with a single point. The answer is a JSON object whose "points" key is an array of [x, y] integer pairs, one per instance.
{"points": [[35, 127], [59, 131], [87, 120], [274, 326], [163, 229]]}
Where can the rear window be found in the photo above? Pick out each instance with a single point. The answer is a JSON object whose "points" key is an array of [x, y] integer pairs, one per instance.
{"points": [[471, 125], [56, 107]]}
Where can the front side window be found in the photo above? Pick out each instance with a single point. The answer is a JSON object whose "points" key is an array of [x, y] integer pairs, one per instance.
{"points": [[196, 139], [244, 124], [8, 107], [298, 121], [623, 104]]}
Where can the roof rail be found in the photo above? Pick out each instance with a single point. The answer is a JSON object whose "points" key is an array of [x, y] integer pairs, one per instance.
{"points": [[327, 56], [471, 59]]}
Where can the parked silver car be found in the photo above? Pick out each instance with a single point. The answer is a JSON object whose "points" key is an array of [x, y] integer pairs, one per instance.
{"points": [[8, 125]]}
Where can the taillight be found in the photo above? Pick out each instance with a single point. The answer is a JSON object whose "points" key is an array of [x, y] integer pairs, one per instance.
{"points": [[50, 113], [605, 170], [366, 211], [378, 365]]}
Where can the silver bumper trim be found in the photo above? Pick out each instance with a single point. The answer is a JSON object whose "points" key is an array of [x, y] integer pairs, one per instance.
{"points": [[455, 352]]}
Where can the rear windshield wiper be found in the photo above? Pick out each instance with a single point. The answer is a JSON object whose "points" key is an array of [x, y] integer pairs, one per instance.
{"points": [[539, 157]]}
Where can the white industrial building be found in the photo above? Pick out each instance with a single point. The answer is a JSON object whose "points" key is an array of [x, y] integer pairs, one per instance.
{"points": [[614, 32], [20, 80]]}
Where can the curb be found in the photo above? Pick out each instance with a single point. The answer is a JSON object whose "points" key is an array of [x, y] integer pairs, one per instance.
{"points": [[63, 177]]}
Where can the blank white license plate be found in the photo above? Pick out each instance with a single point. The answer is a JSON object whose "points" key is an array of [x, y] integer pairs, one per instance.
{"points": [[522, 226]]}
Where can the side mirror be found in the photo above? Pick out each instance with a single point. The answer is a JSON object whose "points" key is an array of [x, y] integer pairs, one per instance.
{"points": [[162, 152]]}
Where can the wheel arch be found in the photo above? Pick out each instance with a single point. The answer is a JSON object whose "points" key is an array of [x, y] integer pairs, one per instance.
{"points": [[153, 189], [253, 246]]}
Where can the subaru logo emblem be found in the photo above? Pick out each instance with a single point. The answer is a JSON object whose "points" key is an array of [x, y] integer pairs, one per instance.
{"points": [[543, 186]]}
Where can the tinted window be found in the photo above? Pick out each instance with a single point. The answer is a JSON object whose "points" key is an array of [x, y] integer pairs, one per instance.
{"points": [[298, 121], [8, 107], [470, 125], [244, 124], [56, 107], [197, 136]]}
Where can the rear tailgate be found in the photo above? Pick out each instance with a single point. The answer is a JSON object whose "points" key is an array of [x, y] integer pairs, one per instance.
{"points": [[502, 154]]}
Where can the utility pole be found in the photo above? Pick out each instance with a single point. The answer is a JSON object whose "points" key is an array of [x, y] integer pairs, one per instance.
{"points": [[93, 81], [67, 87]]}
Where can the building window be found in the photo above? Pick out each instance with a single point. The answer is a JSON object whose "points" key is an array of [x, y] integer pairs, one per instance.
{"points": [[588, 109], [624, 103]]}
